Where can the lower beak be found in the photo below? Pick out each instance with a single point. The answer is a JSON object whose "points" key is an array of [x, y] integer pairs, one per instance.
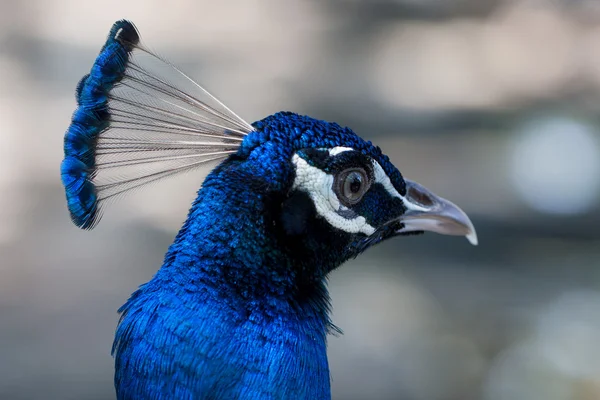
{"points": [[427, 212]]}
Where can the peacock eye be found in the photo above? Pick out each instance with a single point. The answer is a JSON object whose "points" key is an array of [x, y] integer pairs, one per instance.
{"points": [[351, 184]]}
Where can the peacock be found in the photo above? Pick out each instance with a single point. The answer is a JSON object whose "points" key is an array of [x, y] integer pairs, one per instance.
{"points": [[240, 307]]}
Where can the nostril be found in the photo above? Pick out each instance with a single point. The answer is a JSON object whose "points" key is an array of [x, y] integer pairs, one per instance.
{"points": [[420, 197]]}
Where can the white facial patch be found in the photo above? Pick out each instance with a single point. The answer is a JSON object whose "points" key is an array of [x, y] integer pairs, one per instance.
{"points": [[319, 186]]}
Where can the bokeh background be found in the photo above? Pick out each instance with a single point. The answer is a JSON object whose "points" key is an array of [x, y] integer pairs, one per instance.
{"points": [[494, 104]]}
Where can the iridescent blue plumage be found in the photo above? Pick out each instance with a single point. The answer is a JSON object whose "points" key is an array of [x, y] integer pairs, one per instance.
{"points": [[91, 118], [240, 308], [128, 116]]}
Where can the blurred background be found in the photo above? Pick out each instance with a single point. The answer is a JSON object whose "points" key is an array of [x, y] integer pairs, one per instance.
{"points": [[494, 104]]}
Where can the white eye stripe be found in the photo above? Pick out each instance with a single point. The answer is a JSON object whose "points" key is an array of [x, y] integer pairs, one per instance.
{"points": [[319, 186], [340, 149], [382, 178]]}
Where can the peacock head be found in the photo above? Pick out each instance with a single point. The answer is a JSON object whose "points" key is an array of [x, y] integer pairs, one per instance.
{"points": [[336, 194]]}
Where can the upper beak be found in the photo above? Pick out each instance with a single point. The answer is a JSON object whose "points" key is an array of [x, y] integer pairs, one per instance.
{"points": [[427, 212]]}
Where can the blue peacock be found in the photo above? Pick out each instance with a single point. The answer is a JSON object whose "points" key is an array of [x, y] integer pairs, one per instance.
{"points": [[239, 308]]}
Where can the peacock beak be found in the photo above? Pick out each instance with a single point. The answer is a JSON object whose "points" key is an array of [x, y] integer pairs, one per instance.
{"points": [[426, 211]]}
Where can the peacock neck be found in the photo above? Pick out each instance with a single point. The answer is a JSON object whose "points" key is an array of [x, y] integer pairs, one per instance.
{"points": [[228, 251], [241, 319]]}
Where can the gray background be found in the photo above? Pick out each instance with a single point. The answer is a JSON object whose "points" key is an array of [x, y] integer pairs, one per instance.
{"points": [[492, 104]]}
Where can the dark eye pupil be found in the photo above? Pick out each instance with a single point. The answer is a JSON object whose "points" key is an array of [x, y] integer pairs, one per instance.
{"points": [[355, 182]]}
